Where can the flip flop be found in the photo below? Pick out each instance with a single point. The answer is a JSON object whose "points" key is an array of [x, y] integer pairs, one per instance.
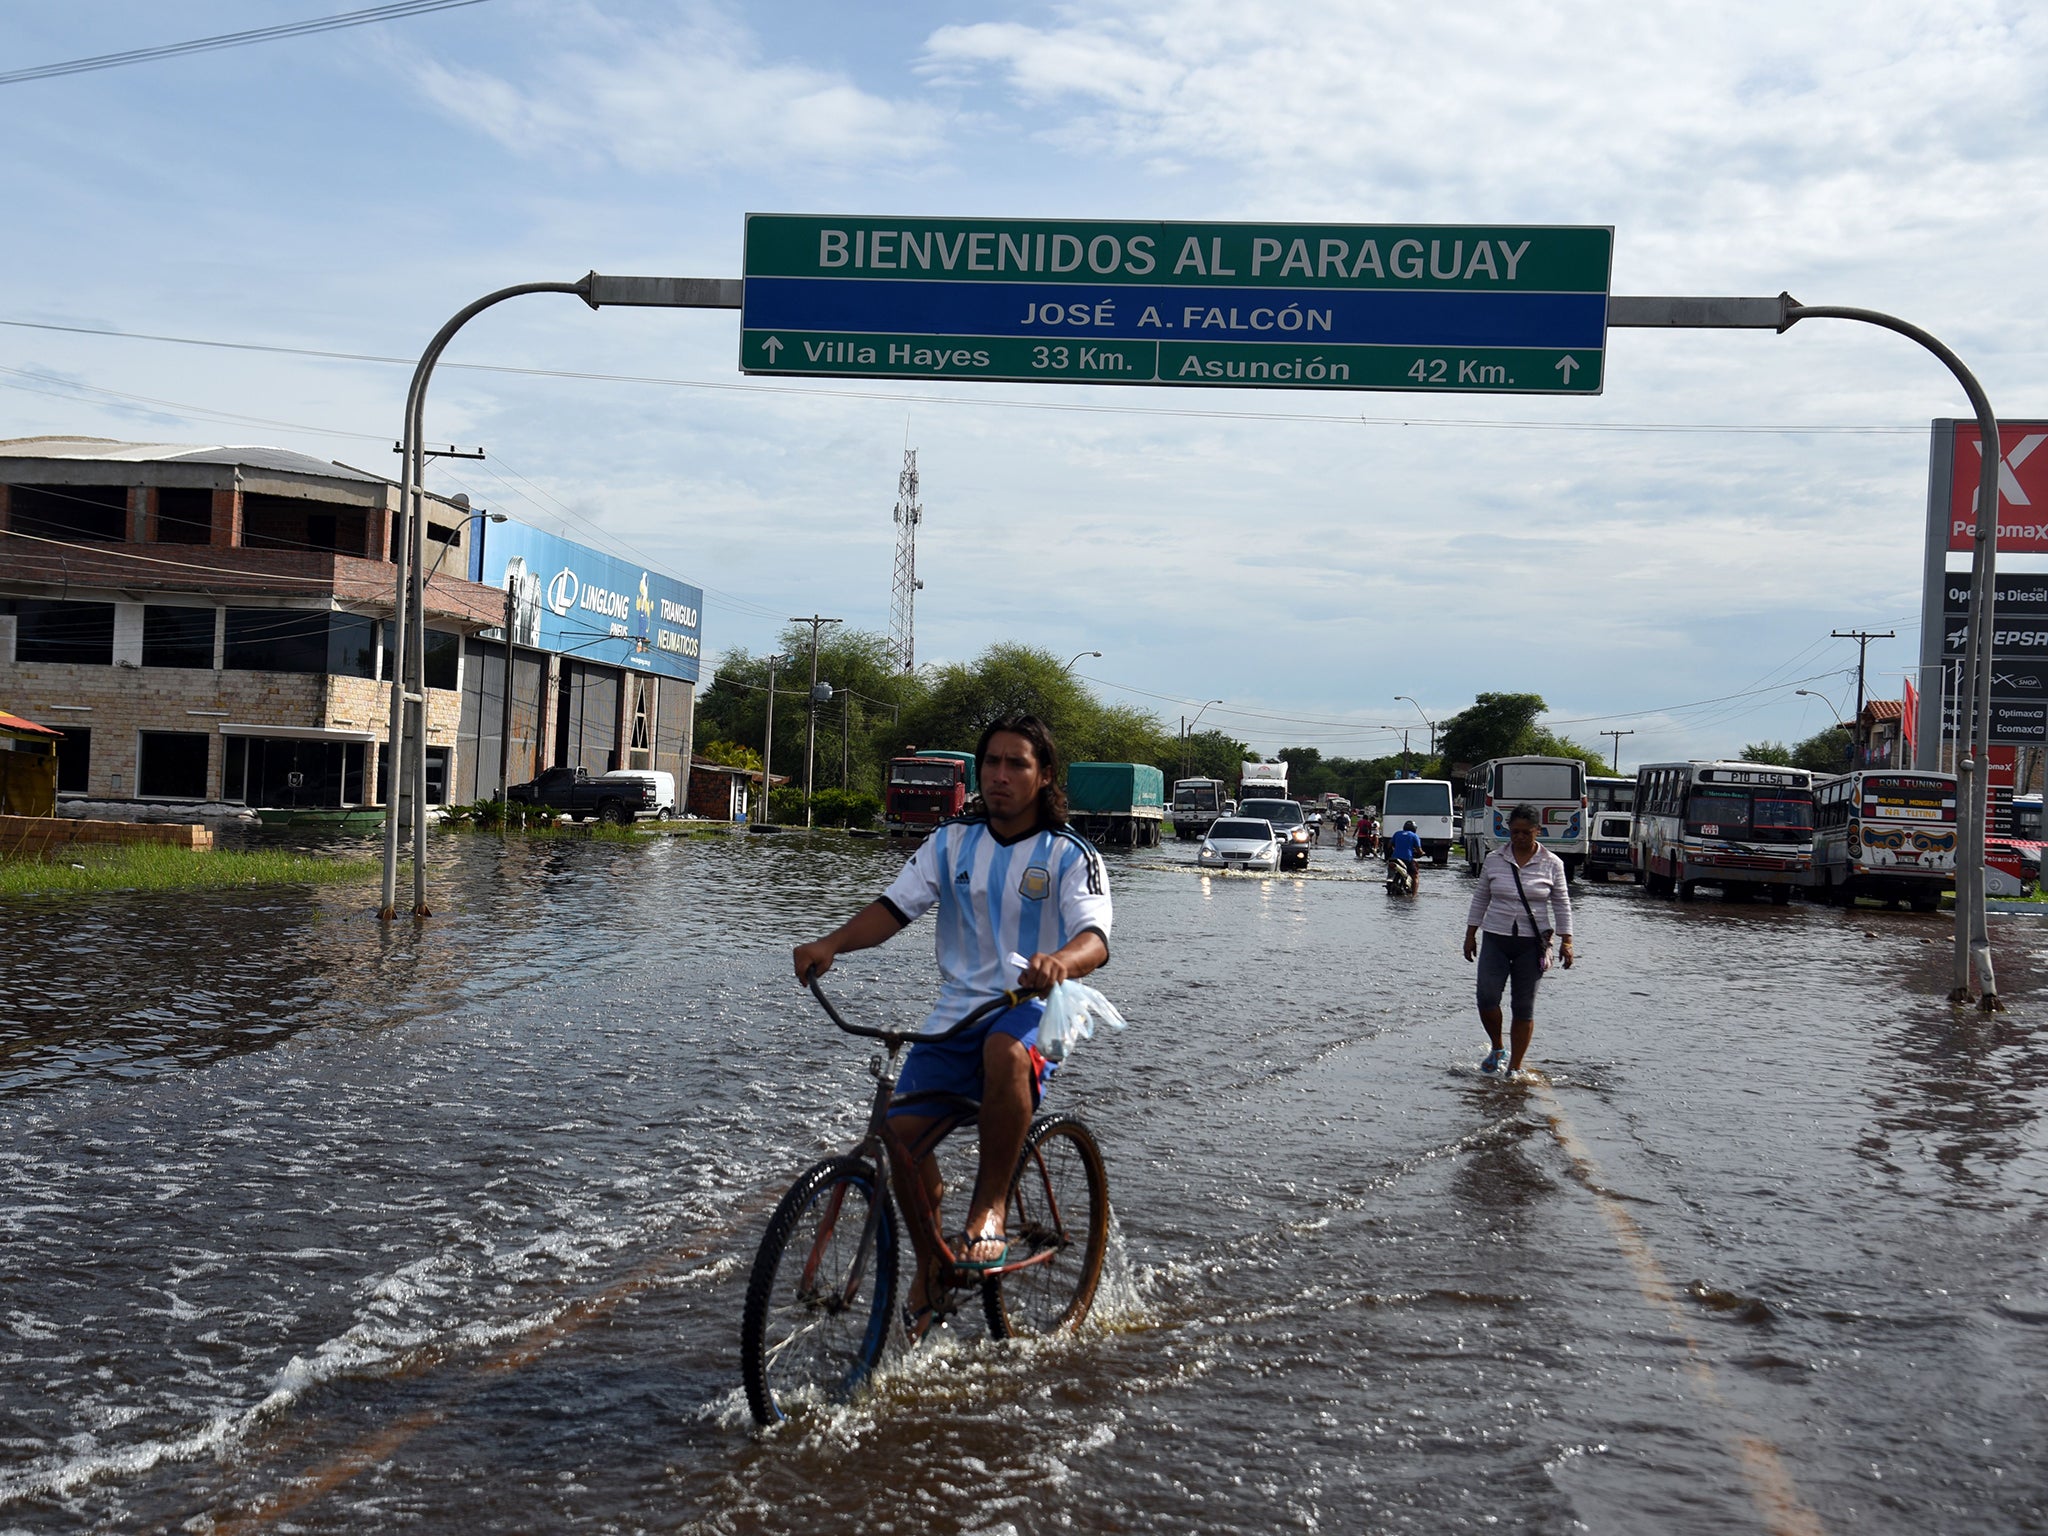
{"points": [[981, 1266]]}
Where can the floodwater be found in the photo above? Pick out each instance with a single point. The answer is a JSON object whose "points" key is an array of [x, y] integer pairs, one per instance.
{"points": [[309, 1227]]}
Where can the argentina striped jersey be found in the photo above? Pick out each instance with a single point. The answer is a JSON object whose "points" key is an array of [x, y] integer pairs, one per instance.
{"points": [[1030, 896]]}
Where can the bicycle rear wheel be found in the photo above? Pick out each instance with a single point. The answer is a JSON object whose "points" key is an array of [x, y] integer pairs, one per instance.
{"points": [[819, 1301], [1059, 1201]]}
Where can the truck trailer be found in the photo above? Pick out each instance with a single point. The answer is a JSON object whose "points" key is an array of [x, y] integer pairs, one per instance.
{"points": [[1117, 805]]}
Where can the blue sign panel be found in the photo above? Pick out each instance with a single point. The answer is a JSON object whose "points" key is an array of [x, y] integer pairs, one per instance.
{"points": [[581, 602]]}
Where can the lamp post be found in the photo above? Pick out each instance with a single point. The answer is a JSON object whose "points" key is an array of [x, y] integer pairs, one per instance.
{"points": [[768, 741], [1425, 720], [1840, 723], [1079, 654], [1187, 728], [408, 685]]}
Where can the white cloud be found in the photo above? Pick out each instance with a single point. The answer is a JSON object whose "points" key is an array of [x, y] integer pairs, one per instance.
{"points": [[695, 98]]}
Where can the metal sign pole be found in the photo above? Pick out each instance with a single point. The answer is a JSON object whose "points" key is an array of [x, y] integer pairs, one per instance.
{"points": [[1973, 943], [597, 291]]}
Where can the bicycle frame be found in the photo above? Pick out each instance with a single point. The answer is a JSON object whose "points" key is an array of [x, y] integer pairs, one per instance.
{"points": [[882, 1148]]}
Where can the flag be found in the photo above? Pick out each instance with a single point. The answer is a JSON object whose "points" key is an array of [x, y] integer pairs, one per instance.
{"points": [[1911, 724]]}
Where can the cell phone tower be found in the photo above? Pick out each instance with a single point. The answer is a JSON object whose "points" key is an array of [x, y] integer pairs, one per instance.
{"points": [[903, 598]]}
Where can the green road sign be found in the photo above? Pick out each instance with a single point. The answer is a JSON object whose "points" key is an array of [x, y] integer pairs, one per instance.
{"points": [[1509, 309]]}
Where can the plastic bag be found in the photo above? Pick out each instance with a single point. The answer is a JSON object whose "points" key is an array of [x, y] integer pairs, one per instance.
{"points": [[1071, 1011]]}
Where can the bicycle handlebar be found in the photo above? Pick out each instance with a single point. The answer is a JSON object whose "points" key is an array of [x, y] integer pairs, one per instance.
{"points": [[1009, 999]]}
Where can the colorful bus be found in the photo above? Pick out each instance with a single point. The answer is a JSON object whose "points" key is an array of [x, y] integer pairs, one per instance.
{"points": [[1885, 834], [1746, 827], [1553, 787]]}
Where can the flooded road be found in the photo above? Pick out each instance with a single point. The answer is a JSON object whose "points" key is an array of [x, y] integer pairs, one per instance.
{"points": [[305, 1227]]}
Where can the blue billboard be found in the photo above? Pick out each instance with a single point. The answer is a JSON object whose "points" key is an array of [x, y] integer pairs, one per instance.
{"points": [[582, 602]]}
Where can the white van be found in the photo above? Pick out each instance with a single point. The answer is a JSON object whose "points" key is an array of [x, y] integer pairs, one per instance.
{"points": [[662, 802], [1427, 803]]}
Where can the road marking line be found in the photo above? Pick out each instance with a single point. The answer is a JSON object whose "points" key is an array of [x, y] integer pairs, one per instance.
{"points": [[1771, 1489], [384, 1443]]}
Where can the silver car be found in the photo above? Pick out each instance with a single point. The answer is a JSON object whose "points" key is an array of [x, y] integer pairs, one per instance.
{"points": [[1240, 843]]}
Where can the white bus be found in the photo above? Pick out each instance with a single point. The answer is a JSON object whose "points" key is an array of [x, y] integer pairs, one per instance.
{"points": [[1607, 794], [1427, 803], [1742, 826], [1888, 835], [1553, 787]]}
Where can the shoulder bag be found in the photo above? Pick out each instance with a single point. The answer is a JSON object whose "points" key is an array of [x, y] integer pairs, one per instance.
{"points": [[1534, 926]]}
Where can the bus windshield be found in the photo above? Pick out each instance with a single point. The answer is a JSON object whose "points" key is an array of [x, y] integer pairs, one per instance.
{"points": [[1416, 797], [1536, 781], [1769, 815], [939, 771]]}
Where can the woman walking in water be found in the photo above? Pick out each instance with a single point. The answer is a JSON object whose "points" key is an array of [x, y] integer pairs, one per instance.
{"points": [[1520, 903]]}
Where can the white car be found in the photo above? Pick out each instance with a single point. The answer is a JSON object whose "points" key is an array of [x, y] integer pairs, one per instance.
{"points": [[1238, 843]]}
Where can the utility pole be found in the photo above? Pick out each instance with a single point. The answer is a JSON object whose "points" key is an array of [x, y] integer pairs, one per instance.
{"points": [[1617, 735], [768, 742], [1862, 637], [817, 623], [845, 731]]}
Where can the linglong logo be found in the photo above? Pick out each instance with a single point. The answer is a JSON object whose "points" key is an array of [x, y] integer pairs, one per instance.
{"points": [[562, 592]]}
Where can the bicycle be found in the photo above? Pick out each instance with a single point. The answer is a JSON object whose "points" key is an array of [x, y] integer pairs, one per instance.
{"points": [[822, 1294]]}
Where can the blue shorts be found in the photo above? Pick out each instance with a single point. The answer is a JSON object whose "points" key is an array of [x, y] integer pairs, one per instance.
{"points": [[954, 1066]]}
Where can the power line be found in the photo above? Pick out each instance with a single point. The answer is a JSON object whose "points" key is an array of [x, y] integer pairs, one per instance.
{"points": [[362, 18], [998, 401]]}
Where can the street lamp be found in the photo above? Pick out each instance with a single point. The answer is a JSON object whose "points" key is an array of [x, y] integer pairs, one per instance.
{"points": [[1808, 693], [1079, 654], [1840, 723], [1187, 728], [1425, 720], [468, 517]]}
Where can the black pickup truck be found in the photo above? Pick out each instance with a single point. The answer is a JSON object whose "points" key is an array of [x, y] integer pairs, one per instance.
{"points": [[573, 790]]}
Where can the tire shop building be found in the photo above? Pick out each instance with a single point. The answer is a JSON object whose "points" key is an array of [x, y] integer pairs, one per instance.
{"points": [[210, 628]]}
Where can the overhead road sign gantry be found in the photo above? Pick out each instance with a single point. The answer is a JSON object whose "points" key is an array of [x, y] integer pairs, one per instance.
{"points": [[1491, 309]]}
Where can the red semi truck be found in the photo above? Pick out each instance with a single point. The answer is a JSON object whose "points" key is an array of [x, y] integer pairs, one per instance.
{"points": [[926, 789]]}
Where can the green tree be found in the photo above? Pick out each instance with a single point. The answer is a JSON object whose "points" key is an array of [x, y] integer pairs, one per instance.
{"points": [[1496, 725], [1543, 743], [1775, 752], [869, 694], [1211, 755], [1825, 751]]}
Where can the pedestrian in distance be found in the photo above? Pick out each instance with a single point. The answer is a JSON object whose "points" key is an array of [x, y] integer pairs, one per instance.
{"points": [[1520, 904]]}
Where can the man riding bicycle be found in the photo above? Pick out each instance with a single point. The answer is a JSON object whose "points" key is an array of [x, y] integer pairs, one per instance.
{"points": [[1009, 877]]}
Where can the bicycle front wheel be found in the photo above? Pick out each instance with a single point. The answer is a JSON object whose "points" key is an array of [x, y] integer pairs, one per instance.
{"points": [[820, 1299], [1059, 1203]]}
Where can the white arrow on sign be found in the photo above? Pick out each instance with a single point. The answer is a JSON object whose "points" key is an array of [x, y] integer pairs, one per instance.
{"points": [[1565, 365], [772, 346]]}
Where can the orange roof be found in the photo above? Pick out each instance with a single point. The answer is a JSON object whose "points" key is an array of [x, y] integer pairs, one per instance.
{"points": [[1885, 709], [25, 730]]}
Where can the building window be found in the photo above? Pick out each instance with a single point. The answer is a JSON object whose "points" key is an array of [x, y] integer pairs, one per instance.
{"points": [[177, 637], [291, 522], [58, 631], [298, 640], [172, 766], [444, 657], [74, 760], [70, 511], [184, 515]]}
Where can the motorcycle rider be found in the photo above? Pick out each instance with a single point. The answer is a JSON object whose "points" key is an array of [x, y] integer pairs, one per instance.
{"points": [[1406, 848], [1368, 834]]}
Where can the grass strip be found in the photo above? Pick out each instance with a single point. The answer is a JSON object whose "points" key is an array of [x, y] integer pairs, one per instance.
{"points": [[86, 870]]}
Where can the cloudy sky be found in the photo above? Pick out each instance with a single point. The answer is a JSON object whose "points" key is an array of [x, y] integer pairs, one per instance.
{"points": [[1691, 535]]}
